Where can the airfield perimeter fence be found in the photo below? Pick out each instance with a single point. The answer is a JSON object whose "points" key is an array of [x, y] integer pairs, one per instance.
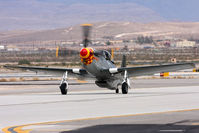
{"points": [[135, 55]]}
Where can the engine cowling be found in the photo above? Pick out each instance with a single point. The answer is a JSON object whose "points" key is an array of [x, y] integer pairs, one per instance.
{"points": [[87, 55]]}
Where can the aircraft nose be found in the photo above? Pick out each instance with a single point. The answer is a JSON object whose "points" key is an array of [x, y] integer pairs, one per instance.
{"points": [[84, 53]]}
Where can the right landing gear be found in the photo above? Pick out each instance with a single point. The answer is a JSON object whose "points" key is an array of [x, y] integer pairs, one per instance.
{"points": [[63, 88], [64, 84]]}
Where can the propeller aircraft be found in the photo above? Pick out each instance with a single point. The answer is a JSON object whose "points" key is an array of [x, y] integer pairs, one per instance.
{"points": [[97, 65]]}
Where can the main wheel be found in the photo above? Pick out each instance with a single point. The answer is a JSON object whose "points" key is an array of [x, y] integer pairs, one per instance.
{"points": [[124, 88], [63, 89], [117, 91]]}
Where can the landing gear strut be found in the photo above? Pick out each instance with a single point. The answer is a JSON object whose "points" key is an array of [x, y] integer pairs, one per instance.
{"points": [[64, 84], [125, 84]]}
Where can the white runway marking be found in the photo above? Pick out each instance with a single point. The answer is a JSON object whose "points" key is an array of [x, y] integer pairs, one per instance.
{"points": [[171, 131]]}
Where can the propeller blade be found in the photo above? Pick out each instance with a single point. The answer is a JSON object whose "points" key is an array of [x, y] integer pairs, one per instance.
{"points": [[86, 33]]}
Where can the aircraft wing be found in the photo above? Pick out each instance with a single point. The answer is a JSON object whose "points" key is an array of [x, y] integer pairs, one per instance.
{"points": [[75, 72], [150, 70]]}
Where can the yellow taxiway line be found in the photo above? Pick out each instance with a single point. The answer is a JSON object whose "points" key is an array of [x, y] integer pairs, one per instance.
{"points": [[18, 129]]}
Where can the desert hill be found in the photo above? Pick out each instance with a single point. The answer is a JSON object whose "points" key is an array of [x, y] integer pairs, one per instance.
{"points": [[106, 30]]}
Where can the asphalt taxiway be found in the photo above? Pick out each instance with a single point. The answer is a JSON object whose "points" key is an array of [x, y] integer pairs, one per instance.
{"points": [[155, 105]]}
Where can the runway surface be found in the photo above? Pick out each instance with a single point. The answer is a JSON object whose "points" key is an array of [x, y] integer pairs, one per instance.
{"points": [[151, 106]]}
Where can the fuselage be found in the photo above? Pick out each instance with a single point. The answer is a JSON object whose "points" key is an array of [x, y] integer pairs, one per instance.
{"points": [[104, 79], [95, 63], [96, 67]]}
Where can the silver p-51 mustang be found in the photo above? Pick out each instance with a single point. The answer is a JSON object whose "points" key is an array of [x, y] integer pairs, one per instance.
{"points": [[99, 66]]}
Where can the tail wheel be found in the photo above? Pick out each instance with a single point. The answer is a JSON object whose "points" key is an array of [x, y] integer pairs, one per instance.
{"points": [[117, 91], [63, 88], [124, 88]]}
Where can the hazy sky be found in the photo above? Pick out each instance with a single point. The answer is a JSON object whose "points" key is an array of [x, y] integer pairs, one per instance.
{"points": [[182, 10], [44, 14]]}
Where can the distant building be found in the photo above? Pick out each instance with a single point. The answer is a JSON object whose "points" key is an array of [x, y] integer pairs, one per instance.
{"points": [[12, 48], [116, 41], [68, 42], [163, 43], [2, 47], [185, 43]]}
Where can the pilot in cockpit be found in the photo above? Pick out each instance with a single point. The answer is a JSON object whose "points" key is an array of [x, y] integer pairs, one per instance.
{"points": [[107, 55]]}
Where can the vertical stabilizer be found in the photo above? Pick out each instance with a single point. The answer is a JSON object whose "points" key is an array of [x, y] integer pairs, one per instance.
{"points": [[123, 61]]}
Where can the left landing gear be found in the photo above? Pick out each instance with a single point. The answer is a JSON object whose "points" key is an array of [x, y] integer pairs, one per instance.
{"points": [[125, 84], [125, 88], [64, 84]]}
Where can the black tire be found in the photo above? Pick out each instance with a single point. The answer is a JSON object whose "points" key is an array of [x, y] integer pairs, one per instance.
{"points": [[124, 88], [117, 91], [63, 89]]}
